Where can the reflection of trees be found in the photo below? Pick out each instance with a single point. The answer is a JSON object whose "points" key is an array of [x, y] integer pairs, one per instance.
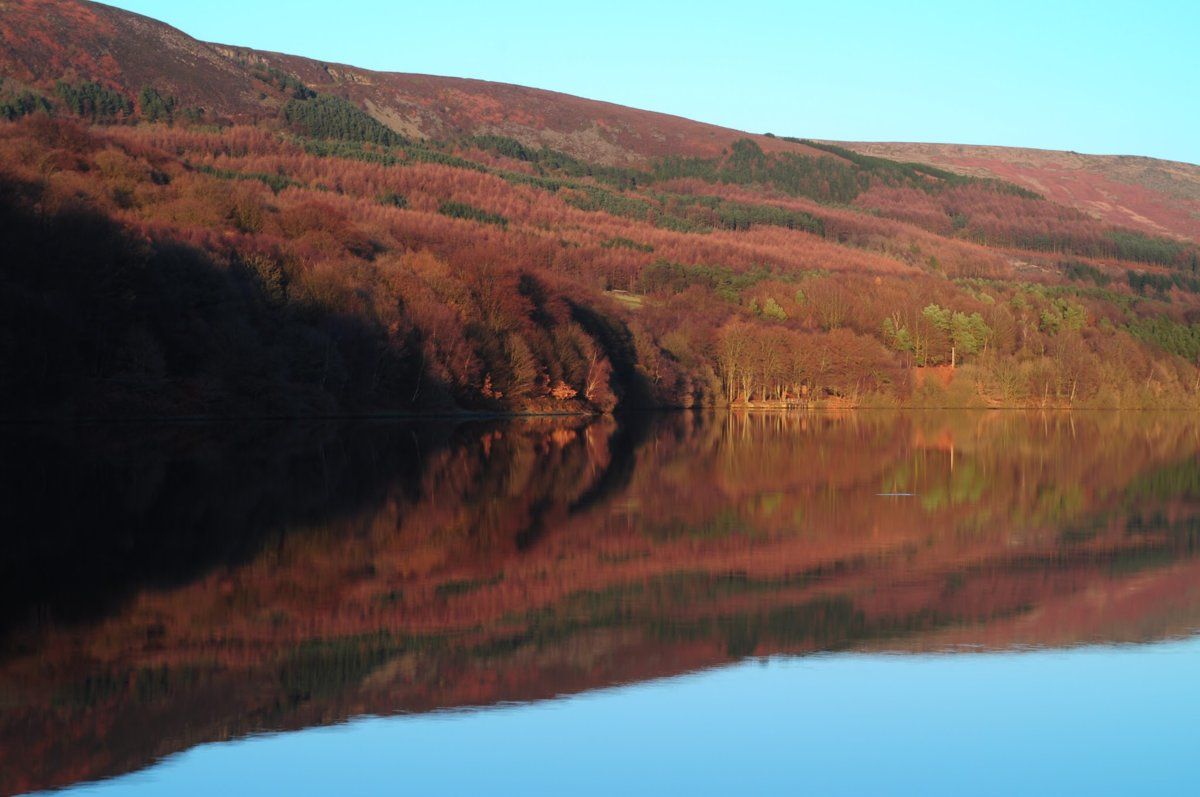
{"points": [[296, 578], [94, 514]]}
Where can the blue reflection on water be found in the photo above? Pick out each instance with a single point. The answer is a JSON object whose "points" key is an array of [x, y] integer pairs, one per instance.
{"points": [[1098, 720]]}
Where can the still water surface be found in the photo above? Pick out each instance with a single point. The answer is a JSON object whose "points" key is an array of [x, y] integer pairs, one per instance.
{"points": [[938, 603]]}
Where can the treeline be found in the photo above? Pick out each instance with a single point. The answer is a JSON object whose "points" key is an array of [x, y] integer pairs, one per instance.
{"points": [[1178, 338], [275, 181], [1116, 244], [728, 215], [327, 116], [1010, 219], [97, 323], [553, 161], [759, 363], [411, 152], [1078, 271], [838, 179], [1142, 248], [244, 326], [94, 101], [938, 335], [695, 214], [916, 174], [1162, 284], [155, 106], [360, 289], [190, 332], [822, 179], [14, 105], [461, 210], [990, 212], [663, 276], [98, 104], [282, 81]]}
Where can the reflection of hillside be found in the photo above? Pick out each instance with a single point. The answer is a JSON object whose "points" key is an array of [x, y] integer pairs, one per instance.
{"points": [[95, 514], [532, 558]]}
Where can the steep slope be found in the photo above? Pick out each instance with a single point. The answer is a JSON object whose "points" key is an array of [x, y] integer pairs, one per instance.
{"points": [[441, 107], [44, 40], [1157, 196]]}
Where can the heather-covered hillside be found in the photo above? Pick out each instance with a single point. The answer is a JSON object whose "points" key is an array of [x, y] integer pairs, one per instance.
{"points": [[1155, 196], [202, 230], [44, 40]]}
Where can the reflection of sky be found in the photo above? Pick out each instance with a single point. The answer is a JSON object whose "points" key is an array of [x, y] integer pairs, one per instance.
{"points": [[1086, 721]]}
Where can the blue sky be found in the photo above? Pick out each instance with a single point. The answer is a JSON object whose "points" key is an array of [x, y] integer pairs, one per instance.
{"points": [[1092, 77], [1093, 721]]}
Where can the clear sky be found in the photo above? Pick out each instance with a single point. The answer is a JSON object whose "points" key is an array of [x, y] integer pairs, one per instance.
{"points": [[1087, 721], [1100, 77]]}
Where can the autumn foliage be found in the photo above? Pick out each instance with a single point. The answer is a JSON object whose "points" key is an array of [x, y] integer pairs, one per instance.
{"points": [[189, 269]]}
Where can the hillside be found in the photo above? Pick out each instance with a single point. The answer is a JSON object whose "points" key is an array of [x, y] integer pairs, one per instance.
{"points": [[43, 40], [262, 234], [1156, 196]]}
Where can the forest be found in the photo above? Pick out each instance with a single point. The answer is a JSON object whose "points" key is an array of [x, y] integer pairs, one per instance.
{"points": [[163, 263]]}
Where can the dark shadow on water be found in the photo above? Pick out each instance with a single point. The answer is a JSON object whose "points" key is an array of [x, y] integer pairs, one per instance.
{"points": [[169, 585], [93, 514]]}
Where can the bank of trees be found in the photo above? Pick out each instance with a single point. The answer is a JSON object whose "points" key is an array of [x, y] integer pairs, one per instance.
{"points": [[327, 116], [774, 364], [1012, 219], [94, 101], [16, 104], [937, 336], [155, 106], [266, 274]]}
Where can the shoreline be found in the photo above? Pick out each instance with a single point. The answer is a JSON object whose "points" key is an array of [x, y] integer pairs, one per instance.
{"points": [[467, 416]]}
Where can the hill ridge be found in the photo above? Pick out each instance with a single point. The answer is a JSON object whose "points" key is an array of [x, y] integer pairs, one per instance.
{"points": [[119, 46]]}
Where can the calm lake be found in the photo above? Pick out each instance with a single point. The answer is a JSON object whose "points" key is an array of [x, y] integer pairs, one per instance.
{"points": [[838, 603]]}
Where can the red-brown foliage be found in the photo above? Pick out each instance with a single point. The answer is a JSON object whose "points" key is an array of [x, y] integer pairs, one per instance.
{"points": [[541, 304]]}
